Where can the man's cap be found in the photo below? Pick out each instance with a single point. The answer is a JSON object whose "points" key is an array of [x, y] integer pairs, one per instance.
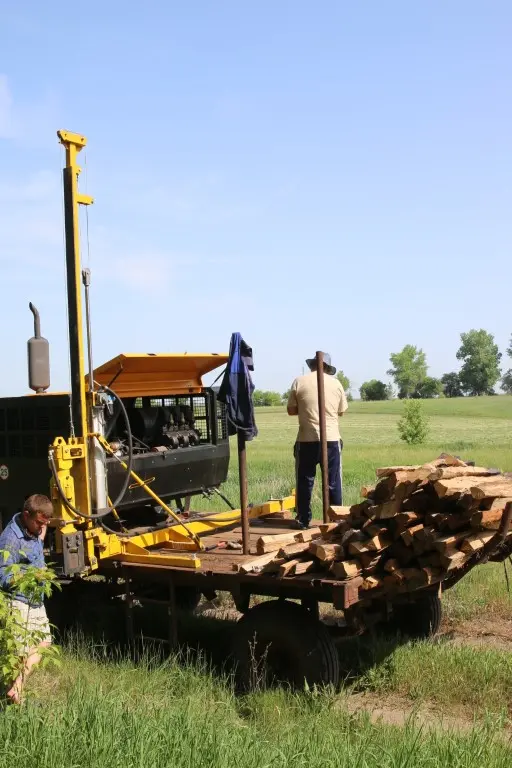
{"points": [[328, 368]]}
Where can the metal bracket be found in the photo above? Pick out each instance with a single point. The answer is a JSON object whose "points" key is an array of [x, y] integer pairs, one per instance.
{"points": [[73, 553]]}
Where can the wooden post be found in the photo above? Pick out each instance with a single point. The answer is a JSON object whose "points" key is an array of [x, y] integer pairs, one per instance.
{"points": [[323, 436], [242, 478]]}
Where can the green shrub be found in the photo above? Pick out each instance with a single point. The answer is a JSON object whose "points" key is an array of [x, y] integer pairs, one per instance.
{"points": [[413, 426]]}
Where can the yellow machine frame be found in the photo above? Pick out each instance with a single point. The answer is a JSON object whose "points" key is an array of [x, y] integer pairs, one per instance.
{"points": [[71, 455]]}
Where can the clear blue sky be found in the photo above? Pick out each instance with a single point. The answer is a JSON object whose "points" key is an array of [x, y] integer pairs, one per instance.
{"points": [[331, 175]]}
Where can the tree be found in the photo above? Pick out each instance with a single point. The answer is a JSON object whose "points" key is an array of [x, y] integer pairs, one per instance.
{"points": [[428, 388], [413, 426], [409, 369], [375, 390], [481, 367], [264, 398], [285, 396], [451, 385], [343, 380], [506, 382]]}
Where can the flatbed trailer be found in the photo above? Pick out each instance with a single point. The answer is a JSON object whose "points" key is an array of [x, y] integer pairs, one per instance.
{"points": [[286, 633]]}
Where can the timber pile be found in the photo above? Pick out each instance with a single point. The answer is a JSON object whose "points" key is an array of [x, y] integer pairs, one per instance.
{"points": [[414, 526]]}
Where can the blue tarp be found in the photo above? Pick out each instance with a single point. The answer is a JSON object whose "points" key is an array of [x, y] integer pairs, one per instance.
{"points": [[237, 387]]}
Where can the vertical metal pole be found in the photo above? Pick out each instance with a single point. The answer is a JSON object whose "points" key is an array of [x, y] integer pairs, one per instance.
{"points": [[73, 144], [242, 477], [323, 436]]}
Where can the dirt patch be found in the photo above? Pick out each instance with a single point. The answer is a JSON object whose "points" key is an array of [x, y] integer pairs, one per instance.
{"points": [[488, 633], [395, 710]]}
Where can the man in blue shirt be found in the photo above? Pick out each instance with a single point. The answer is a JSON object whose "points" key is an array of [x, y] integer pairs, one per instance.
{"points": [[21, 544]]}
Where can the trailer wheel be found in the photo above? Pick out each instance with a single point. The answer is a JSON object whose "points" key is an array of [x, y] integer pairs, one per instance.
{"points": [[281, 642], [420, 619]]}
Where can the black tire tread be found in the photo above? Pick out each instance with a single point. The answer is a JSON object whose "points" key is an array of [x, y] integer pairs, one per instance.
{"points": [[298, 629]]}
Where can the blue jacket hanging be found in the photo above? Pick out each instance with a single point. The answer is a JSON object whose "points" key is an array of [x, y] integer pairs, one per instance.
{"points": [[237, 387]]}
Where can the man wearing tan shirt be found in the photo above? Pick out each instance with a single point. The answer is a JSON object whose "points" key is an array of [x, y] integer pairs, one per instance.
{"points": [[303, 402]]}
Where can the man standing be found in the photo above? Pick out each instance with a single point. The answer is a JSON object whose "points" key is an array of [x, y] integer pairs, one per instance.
{"points": [[22, 541], [303, 402]]}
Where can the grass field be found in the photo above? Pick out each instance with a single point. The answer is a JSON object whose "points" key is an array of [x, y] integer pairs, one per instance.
{"points": [[97, 710]]}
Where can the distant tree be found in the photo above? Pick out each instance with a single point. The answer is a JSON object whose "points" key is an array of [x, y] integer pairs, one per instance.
{"points": [[345, 383], [409, 369], [451, 385], [428, 388], [285, 396], [264, 398], [413, 426], [506, 382], [481, 367], [375, 390], [343, 380]]}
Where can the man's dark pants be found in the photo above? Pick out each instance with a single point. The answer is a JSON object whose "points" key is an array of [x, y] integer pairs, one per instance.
{"points": [[307, 458]]}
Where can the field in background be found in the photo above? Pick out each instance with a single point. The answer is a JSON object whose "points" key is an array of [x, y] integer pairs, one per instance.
{"points": [[456, 691]]}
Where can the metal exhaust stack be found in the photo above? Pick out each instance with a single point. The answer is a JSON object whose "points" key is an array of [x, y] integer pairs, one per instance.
{"points": [[38, 351]]}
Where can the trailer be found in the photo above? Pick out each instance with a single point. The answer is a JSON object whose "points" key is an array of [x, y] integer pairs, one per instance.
{"points": [[129, 452]]}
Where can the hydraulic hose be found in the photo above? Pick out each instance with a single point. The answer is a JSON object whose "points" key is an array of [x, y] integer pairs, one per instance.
{"points": [[126, 482]]}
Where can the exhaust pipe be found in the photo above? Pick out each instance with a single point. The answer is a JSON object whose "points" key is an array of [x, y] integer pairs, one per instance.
{"points": [[38, 351]]}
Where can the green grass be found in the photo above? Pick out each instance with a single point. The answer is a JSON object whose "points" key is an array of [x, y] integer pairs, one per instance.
{"points": [[101, 713]]}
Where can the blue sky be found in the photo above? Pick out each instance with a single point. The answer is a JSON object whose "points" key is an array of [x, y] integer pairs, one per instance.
{"points": [[329, 175]]}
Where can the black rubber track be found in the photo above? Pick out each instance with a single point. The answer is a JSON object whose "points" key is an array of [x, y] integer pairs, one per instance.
{"points": [[281, 642]]}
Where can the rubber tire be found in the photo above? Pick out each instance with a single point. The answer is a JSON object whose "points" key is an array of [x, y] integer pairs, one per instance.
{"points": [[303, 650], [421, 619], [187, 599]]}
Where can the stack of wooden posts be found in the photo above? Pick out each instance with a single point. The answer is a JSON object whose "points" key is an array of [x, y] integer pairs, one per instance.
{"points": [[417, 524]]}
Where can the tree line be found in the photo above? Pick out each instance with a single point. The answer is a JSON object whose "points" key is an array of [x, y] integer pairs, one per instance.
{"points": [[479, 374]]}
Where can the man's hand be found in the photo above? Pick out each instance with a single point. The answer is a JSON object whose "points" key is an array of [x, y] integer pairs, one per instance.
{"points": [[292, 410], [44, 528]]}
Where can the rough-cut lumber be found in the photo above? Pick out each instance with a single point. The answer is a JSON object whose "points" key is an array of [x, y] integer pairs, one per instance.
{"points": [[306, 566], [492, 489], [403, 554], [379, 542], [453, 488], [324, 551], [327, 528], [274, 565], [408, 535], [358, 548], [372, 582], [254, 564], [438, 519], [293, 549], [309, 535], [367, 490], [391, 565], [368, 559], [448, 473], [337, 514], [346, 569], [447, 543], [492, 504], [403, 520], [288, 568], [273, 543], [476, 542], [489, 518], [452, 559]]}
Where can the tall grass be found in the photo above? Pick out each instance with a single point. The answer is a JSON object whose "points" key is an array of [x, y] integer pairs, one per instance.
{"points": [[117, 715]]}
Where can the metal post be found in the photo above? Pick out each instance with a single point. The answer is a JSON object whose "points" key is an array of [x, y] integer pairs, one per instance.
{"points": [[323, 436], [242, 477]]}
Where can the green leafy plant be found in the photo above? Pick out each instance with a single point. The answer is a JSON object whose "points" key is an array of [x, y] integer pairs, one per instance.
{"points": [[413, 426], [15, 633]]}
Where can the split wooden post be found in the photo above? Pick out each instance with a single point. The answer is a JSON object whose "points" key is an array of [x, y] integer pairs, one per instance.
{"points": [[323, 435]]}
